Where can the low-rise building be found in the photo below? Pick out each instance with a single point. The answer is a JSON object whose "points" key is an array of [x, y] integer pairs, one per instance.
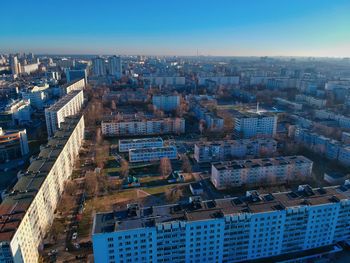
{"points": [[238, 229], [128, 144], [13, 144], [152, 154], [223, 150], [266, 171], [37, 95], [166, 102]]}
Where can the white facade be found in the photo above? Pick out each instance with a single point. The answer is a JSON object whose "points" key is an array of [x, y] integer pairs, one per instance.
{"points": [[74, 85], [143, 127], [98, 67], [28, 211], [166, 102], [115, 66], [172, 81], [126, 145], [266, 171], [220, 80], [312, 101], [37, 95], [224, 150], [229, 230], [20, 111], [152, 154], [68, 105], [247, 126]]}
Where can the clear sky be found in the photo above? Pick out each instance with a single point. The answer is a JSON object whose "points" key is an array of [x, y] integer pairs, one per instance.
{"points": [[177, 27]]}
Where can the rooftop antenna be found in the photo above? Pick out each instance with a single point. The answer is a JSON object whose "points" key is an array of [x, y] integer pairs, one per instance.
{"points": [[257, 107]]}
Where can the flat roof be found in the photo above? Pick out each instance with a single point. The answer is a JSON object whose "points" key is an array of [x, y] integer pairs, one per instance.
{"points": [[15, 205], [140, 217], [64, 100], [235, 142], [153, 149], [141, 140]]}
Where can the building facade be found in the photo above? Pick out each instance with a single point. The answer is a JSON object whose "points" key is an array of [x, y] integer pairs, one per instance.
{"points": [[28, 211], [238, 229], [255, 125], [166, 102], [136, 127], [224, 150], [13, 144], [267, 171], [152, 154], [68, 105], [126, 145]]}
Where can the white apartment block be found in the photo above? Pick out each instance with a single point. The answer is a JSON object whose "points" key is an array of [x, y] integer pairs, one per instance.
{"points": [[344, 155], [171, 81], [224, 150], [134, 127], [166, 102], [74, 85], [28, 211], [239, 229], [266, 171], [152, 154], [255, 125], [68, 105], [289, 104], [312, 101], [126, 145], [37, 95], [220, 80]]}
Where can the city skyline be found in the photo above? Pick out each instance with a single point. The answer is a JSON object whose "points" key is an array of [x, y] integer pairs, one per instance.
{"points": [[224, 28]]}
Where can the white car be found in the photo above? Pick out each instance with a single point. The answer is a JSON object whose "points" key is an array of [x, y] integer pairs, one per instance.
{"points": [[75, 235]]}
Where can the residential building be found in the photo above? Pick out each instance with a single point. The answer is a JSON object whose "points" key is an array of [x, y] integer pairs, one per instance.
{"points": [[37, 95], [290, 104], [78, 84], [219, 80], [345, 137], [212, 121], [240, 229], [115, 66], [76, 74], [267, 171], [98, 67], [126, 145], [164, 80], [152, 154], [224, 150], [13, 144], [15, 65], [68, 105], [28, 211], [311, 101], [143, 126], [166, 102], [255, 125], [17, 112]]}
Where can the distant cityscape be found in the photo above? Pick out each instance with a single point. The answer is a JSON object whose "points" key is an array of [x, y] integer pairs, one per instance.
{"points": [[174, 159]]}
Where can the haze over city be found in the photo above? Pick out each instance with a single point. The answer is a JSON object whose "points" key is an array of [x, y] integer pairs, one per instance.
{"points": [[156, 27]]}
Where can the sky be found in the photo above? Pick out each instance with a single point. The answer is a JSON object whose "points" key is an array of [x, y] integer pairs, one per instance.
{"points": [[319, 28]]}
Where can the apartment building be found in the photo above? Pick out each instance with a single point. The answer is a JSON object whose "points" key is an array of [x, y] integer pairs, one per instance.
{"points": [[152, 154], [212, 121], [68, 105], [166, 102], [78, 84], [16, 112], [238, 229], [13, 144], [224, 150], [260, 171], [143, 126], [37, 95], [165, 80], [312, 101], [219, 80], [255, 125], [126, 145], [28, 211], [290, 104]]}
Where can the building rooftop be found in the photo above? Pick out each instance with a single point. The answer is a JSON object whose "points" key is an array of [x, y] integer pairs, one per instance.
{"points": [[235, 142], [15, 205], [253, 163], [141, 140], [72, 83], [153, 149], [64, 100], [133, 216]]}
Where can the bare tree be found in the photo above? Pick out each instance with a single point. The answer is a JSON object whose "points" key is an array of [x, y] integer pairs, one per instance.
{"points": [[124, 168], [90, 183], [165, 167], [186, 165]]}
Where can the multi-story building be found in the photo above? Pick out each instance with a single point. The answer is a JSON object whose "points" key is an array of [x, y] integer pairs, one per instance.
{"points": [[152, 154], [115, 66], [13, 144], [159, 80], [98, 67], [126, 145], [37, 95], [260, 171], [76, 74], [29, 68], [224, 150], [78, 84], [344, 155], [16, 112], [219, 80], [134, 127], [28, 211], [166, 102], [345, 137], [68, 105], [212, 121], [238, 229], [312, 101], [290, 104], [255, 125], [15, 65]]}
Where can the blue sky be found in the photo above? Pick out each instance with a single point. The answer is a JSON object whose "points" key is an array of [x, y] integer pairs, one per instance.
{"points": [[177, 27]]}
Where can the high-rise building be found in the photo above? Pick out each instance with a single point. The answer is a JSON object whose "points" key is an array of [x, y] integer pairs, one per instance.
{"points": [[255, 125], [98, 67], [68, 105], [238, 229], [76, 74], [28, 211], [166, 102], [15, 65], [115, 66]]}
